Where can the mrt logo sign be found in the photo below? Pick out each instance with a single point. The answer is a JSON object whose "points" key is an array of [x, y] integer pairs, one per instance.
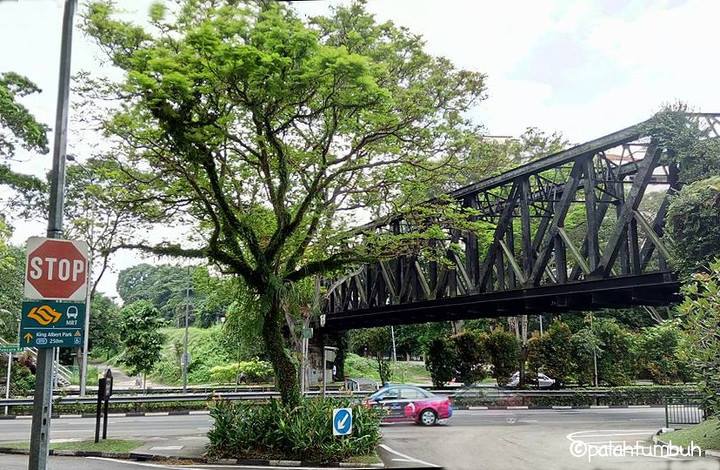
{"points": [[56, 269]]}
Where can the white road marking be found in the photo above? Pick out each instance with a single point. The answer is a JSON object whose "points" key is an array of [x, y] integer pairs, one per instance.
{"points": [[138, 464], [411, 459], [610, 433], [166, 448]]}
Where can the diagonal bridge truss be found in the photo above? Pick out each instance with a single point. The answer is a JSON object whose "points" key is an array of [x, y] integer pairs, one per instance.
{"points": [[577, 230]]}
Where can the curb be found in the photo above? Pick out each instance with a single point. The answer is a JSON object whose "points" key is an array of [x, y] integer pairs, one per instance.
{"points": [[130, 414], [552, 407], [146, 457]]}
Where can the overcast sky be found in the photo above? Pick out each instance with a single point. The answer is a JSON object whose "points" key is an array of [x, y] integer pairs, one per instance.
{"points": [[584, 68]]}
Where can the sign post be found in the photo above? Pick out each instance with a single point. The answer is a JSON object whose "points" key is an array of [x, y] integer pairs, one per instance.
{"points": [[42, 403]]}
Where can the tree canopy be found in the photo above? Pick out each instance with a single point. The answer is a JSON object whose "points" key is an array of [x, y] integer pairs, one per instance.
{"points": [[18, 129], [268, 134]]}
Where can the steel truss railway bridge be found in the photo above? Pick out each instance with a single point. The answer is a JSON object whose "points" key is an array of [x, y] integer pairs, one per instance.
{"points": [[536, 262]]}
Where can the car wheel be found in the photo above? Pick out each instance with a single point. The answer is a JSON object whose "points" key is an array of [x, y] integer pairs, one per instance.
{"points": [[428, 417]]}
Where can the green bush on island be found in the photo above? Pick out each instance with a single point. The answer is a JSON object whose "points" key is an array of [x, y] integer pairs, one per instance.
{"points": [[268, 431]]}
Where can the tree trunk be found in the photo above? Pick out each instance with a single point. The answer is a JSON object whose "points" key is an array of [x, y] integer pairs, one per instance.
{"points": [[286, 373]]}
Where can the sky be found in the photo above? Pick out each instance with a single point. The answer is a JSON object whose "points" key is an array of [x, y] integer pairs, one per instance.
{"points": [[583, 68]]}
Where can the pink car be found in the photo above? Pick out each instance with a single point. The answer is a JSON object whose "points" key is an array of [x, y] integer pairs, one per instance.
{"points": [[410, 403]]}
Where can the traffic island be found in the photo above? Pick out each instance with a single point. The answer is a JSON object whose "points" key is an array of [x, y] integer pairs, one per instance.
{"points": [[705, 435], [165, 453]]}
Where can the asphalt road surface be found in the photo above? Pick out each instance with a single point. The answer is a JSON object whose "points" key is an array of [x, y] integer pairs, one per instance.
{"points": [[485, 439], [534, 439]]}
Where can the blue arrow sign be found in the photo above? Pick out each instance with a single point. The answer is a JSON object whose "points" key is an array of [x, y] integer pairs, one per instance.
{"points": [[342, 421]]}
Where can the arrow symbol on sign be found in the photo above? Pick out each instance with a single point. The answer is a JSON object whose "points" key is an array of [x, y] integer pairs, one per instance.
{"points": [[28, 337], [343, 421]]}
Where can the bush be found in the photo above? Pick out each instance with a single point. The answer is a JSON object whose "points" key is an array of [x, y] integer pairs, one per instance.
{"points": [[658, 350], [504, 351], [552, 352], [470, 357], [253, 371], [440, 360], [272, 431]]}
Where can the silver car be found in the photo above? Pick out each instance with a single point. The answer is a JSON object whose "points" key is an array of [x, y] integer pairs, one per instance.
{"points": [[543, 380]]}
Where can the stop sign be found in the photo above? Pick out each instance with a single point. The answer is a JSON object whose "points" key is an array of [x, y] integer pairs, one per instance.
{"points": [[56, 269]]}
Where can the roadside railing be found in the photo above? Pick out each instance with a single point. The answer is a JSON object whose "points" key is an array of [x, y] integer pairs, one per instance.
{"points": [[683, 411], [159, 398]]}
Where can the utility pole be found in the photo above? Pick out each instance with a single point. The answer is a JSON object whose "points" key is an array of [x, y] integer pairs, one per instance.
{"points": [[42, 403], [394, 351], [594, 352], [185, 341], [86, 339]]}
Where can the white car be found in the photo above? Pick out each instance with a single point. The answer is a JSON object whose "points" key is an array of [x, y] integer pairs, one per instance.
{"points": [[542, 379]]}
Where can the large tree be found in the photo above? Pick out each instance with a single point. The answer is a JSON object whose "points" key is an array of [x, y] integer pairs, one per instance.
{"points": [[19, 129], [269, 135]]}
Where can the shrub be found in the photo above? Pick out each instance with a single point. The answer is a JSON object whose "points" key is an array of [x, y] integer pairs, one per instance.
{"points": [[440, 360], [504, 354], [253, 371], [701, 315], [658, 350], [616, 361], [245, 430], [552, 352], [470, 357]]}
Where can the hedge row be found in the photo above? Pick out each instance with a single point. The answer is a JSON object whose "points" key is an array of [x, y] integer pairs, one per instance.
{"points": [[629, 395]]}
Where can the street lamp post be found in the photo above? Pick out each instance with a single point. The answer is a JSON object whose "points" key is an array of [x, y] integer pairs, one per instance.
{"points": [[185, 341]]}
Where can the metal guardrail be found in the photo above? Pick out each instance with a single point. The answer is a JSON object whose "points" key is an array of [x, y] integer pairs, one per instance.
{"points": [[190, 389], [186, 397], [681, 411]]}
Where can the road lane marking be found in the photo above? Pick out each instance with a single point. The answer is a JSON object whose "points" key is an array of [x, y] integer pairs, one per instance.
{"points": [[411, 459], [139, 464]]}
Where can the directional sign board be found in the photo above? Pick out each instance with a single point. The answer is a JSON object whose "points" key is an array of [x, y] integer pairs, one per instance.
{"points": [[47, 324], [342, 421], [10, 348], [56, 269]]}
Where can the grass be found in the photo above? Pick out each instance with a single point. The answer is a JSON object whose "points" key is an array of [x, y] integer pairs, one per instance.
{"points": [[366, 367], [368, 459], [109, 445], [92, 373], [205, 353], [706, 435]]}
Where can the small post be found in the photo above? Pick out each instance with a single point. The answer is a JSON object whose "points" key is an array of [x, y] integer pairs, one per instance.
{"points": [[324, 371], [100, 397], [7, 381], [106, 397]]}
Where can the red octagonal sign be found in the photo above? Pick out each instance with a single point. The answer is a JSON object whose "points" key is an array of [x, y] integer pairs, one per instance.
{"points": [[56, 269]]}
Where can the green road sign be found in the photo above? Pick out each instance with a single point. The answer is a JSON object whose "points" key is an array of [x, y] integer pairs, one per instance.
{"points": [[47, 324], [10, 348]]}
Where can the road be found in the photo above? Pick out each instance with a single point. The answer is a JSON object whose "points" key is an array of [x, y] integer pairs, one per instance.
{"points": [[486, 439], [531, 439]]}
